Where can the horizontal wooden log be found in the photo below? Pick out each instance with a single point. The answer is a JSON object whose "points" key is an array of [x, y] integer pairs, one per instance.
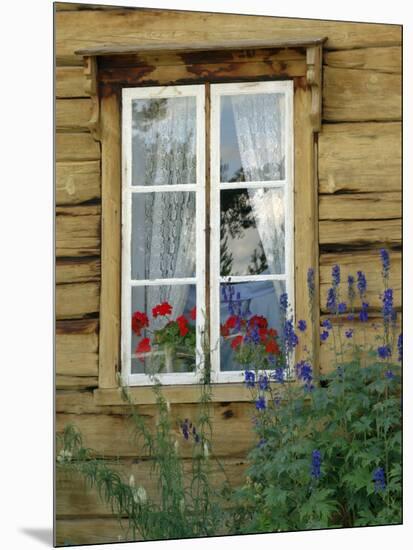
{"points": [[76, 147], [370, 263], [360, 206], [76, 30], [73, 114], [112, 435], [89, 531], [77, 352], [73, 6], [361, 158], [354, 95], [77, 270], [360, 233], [77, 182], [76, 300], [74, 499], [70, 82], [64, 382], [367, 336], [385, 60], [78, 231]]}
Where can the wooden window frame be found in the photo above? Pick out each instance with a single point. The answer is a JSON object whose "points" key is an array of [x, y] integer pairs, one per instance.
{"points": [[255, 60]]}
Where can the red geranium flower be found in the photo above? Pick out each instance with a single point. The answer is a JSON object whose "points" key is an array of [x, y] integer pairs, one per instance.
{"points": [[192, 313], [272, 347], [224, 330], [231, 321], [144, 346], [236, 342], [183, 325], [272, 332], [263, 333], [162, 309], [259, 321], [139, 321]]}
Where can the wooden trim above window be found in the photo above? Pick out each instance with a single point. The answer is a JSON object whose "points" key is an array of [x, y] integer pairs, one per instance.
{"points": [[109, 69]]}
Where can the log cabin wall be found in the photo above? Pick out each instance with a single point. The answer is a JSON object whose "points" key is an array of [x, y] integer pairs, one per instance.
{"points": [[359, 179]]}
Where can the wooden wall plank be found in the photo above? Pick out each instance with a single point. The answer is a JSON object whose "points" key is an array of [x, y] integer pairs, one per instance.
{"points": [[78, 231], [70, 82], [73, 114], [354, 95], [112, 435], [360, 157], [76, 147], [360, 206], [76, 30], [367, 261], [64, 382], [88, 531], [76, 300], [73, 499], [360, 233], [77, 270], [77, 352], [385, 60], [77, 182]]}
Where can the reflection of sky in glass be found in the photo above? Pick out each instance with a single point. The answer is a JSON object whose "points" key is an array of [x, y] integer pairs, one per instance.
{"points": [[229, 144]]}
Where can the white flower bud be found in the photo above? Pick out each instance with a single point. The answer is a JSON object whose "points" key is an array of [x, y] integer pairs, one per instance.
{"points": [[206, 450], [182, 505], [176, 446], [141, 494], [132, 481], [168, 406]]}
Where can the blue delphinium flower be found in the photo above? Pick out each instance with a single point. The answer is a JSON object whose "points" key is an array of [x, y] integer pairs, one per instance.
{"points": [[261, 442], [379, 478], [278, 375], [342, 307], [335, 275], [389, 374], [284, 302], [301, 325], [384, 352], [351, 292], [263, 382], [290, 337], [315, 464], [305, 374], [327, 324], [331, 300], [361, 284], [324, 335], [249, 378], [400, 347], [349, 333], [260, 403], [350, 317], [387, 305], [385, 262], [364, 316]]}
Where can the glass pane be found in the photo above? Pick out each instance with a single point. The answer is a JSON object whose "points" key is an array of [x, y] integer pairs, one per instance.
{"points": [[252, 232], [163, 235], [164, 141], [240, 303], [160, 343], [252, 137]]}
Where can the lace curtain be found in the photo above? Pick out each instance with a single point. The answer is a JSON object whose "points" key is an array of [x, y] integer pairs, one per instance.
{"points": [[259, 126], [164, 154]]}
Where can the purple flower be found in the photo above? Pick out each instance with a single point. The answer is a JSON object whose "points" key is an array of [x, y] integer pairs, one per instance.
{"points": [[290, 337], [331, 300], [260, 403], [324, 335], [263, 382], [261, 442], [385, 262], [361, 284], [387, 305], [384, 352], [302, 325], [350, 317], [400, 347], [335, 275], [327, 324], [379, 478], [315, 464], [389, 374], [349, 333], [342, 307], [305, 374], [364, 316], [284, 301], [249, 378], [278, 375], [351, 293]]}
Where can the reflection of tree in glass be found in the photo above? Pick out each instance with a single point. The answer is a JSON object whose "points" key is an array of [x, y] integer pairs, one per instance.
{"points": [[267, 172], [258, 262], [147, 111]]}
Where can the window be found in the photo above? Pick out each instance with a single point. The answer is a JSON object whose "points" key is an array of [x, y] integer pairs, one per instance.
{"points": [[165, 239]]}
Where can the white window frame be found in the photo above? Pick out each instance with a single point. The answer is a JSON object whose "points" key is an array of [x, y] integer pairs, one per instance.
{"points": [[198, 187], [218, 90], [198, 91]]}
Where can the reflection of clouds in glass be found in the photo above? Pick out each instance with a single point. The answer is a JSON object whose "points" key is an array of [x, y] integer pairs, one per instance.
{"points": [[242, 250]]}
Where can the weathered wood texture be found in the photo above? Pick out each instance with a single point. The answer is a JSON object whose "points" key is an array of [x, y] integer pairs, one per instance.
{"points": [[88, 531], [367, 335], [76, 147], [77, 270], [64, 382], [360, 157], [77, 182], [367, 261], [78, 231], [80, 29], [360, 206], [70, 82], [382, 60], [360, 233], [354, 95], [73, 114], [77, 300], [77, 348]]}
